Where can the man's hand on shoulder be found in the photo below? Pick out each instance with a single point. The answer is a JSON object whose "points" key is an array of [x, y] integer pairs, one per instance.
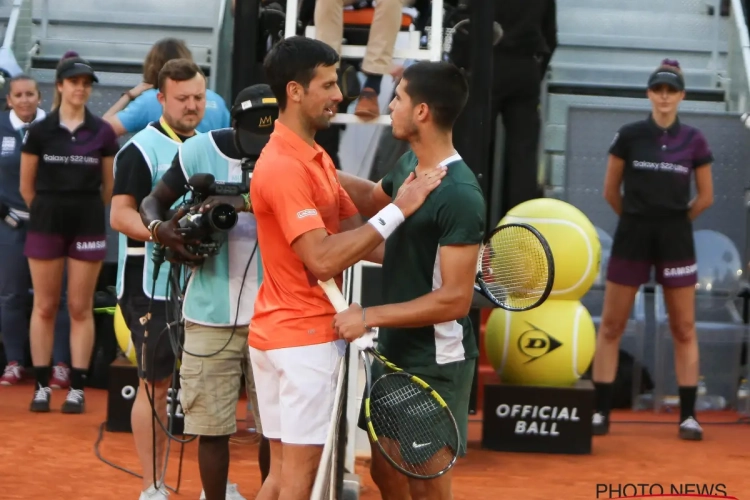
{"points": [[416, 188]]}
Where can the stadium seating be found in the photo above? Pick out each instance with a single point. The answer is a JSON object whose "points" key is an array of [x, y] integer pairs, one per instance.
{"points": [[606, 52]]}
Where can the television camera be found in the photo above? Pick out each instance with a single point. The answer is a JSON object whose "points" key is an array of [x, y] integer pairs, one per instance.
{"points": [[253, 115]]}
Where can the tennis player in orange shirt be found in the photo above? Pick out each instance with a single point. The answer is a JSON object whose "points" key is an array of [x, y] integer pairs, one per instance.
{"points": [[308, 230]]}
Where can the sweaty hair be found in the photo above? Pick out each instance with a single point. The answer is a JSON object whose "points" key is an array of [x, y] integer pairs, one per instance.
{"points": [[56, 97], [178, 70], [439, 85], [162, 51], [295, 59]]}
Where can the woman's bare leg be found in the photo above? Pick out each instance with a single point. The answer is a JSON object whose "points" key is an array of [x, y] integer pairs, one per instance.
{"points": [[618, 303], [82, 278], [680, 304], [46, 277]]}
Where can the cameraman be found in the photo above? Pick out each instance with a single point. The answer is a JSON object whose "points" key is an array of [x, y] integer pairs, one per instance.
{"points": [[219, 299], [182, 89]]}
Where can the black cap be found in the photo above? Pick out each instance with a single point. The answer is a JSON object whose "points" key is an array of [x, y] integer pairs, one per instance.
{"points": [[254, 112], [666, 76], [75, 66], [254, 96]]}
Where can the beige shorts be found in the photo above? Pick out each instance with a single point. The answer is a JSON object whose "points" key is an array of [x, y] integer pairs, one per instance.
{"points": [[210, 386]]}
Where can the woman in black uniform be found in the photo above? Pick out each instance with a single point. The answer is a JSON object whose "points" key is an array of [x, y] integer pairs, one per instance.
{"points": [[66, 180], [654, 161], [23, 101]]}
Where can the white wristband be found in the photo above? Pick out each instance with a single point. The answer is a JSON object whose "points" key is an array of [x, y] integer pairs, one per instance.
{"points": [[387, 220]]}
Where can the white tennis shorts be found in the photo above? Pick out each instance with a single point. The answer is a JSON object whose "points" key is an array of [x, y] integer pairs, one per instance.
{"points": [[296, 389]]}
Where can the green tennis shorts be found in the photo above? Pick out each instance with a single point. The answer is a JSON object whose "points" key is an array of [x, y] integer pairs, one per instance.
{"points": [[451, 381]]}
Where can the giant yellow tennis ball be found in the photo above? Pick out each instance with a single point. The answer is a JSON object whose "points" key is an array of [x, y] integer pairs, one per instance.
{"points": [[551, 345], [572, 238], [122, 333]]}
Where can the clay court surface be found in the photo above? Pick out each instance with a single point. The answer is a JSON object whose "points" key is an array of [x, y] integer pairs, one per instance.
{"points": [[51, 456]]}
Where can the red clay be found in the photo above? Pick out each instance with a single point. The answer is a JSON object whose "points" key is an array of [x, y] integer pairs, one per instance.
{"points": [[51, 456]]}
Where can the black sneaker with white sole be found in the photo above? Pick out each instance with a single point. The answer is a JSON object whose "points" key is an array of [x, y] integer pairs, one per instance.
{"points": [[599, 424], [74, 402], [691, 430], [42, 396]]}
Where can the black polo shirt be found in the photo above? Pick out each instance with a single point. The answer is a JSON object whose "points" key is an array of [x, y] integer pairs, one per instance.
{"points": [[659, 164], [70, 161]]}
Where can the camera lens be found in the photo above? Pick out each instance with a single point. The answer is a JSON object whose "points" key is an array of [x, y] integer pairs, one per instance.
{"points": [[222, 217]]}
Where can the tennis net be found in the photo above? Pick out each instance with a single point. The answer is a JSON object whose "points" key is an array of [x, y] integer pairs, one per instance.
{"points": [[329, 482]]}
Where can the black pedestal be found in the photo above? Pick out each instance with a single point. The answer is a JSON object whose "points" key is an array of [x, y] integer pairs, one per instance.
{"points": [[123, 385], [538, 419]]}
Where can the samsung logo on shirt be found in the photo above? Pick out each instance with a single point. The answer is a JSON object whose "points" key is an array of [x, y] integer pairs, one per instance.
{"points": [[662, 166], [84, 160]]}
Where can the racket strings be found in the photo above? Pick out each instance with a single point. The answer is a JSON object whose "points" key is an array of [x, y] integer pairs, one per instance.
{"points": [[413, 428], [514, 267]]}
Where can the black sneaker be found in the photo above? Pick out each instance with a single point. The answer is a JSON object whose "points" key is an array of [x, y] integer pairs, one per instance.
{"points": [[74, 402], [691, 430], [599, 424], [40, 403]]}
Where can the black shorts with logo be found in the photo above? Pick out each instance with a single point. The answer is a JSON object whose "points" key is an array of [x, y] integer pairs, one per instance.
{"points": [[663, 243], [135, 306]]}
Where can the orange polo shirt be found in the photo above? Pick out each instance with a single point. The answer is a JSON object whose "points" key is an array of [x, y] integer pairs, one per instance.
{"points": [[294, 189]]}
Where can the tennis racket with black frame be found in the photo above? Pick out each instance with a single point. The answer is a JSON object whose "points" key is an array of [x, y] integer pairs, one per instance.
{"points": [[408, 420], [515, 270]]}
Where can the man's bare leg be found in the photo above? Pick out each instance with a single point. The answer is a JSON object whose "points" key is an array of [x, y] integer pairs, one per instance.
{"points": [[392, 484], [272, 485], [141, 420], [298, 469]]}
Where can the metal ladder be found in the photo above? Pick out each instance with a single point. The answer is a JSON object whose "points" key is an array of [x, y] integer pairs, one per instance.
{"points": [[434, 51]]}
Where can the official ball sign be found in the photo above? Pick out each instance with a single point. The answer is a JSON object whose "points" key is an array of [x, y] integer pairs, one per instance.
{"points": [[538, 419]]}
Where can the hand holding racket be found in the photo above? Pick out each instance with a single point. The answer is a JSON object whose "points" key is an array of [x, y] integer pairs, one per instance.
{"points": [[410, 423], [515, 269]]}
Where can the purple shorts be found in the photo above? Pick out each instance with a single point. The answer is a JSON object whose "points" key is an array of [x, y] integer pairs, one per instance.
{"points": [[664, 244], [66, 225], [53, 246]]}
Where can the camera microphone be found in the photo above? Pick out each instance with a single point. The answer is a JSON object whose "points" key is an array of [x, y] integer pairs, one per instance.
{"points": [[203, 183], [206, 185]]}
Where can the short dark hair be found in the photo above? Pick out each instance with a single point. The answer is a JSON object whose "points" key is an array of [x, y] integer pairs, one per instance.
{"points": [[295, 59], [179, 70], [441, 86]]}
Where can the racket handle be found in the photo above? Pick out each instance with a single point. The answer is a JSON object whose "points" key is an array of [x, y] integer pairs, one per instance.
{"points": [[334, 295], [366, 341]]}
